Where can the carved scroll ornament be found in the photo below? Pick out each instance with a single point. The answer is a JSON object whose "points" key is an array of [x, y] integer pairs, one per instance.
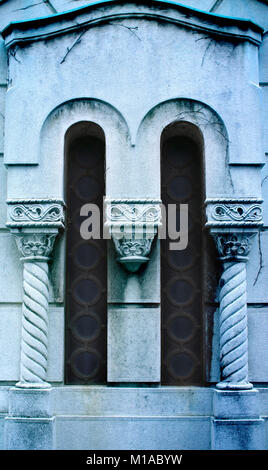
{"points": [[234, 212], [133, 224], [35, 213]]}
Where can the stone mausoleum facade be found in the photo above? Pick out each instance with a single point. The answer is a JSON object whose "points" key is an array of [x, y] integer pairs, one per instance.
{"points": [[133, 342]]}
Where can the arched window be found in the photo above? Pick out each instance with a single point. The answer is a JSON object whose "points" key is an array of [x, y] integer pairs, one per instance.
{"points": [[86, 270], [182, 271]]}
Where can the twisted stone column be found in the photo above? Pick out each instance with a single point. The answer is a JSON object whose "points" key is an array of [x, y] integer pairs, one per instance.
{"points": [[233, 327], [35, 248], [34, 323], [233, 249]]}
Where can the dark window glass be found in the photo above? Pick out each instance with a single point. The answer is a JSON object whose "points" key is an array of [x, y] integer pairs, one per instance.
{"points": [[181, 271], [86, 271]]}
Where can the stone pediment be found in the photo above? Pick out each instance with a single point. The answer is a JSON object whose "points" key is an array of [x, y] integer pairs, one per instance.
{"points": [[96, 14]]}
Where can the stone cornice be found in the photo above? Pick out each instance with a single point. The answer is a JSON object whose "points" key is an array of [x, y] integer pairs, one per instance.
{"points": [[35, 213], [95, 14], [242, 212], [133, 211]]}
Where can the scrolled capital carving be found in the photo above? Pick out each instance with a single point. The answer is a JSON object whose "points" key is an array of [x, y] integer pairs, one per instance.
{"points": [[234, 212], [233, 223], [233, 245], [35, 213], [35, 244], [126, 247], [133, 224], [133, 211], [132, 252]]}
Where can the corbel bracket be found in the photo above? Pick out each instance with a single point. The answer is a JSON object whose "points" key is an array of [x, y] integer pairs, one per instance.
{"points": [[133, 224]]}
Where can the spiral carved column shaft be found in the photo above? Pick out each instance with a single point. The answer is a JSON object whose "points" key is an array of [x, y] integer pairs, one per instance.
{"points": [[233, 248], [35, 247], [233, 223], [35, 223], [34, 337], [233, 327]]}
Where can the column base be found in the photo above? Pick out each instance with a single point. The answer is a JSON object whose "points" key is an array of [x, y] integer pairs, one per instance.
{"points": [[237, 424], [30, 402], [29, 433], [234, 386], [237, 434], [29, 424], [35, 385]]}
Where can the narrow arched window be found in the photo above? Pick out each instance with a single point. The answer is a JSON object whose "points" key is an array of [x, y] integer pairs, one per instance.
{"points": [[86, 271], [182, 271]]}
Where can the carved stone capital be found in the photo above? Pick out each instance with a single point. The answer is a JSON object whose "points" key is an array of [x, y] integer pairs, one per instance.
{"points": [[35, 213], [234, 212], [132, 253], [35, 244], [133, 224], [35, 224], [233, 223], [233, 245]]}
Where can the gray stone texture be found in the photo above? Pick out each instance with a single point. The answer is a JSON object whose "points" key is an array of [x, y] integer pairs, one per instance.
{"points": [[239, 434], [137, 82], [30, 403], [29, 433], [134, 344], [236, 404], [133, 433]]}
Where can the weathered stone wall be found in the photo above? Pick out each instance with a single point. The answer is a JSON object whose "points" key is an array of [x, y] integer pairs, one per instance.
{"points": [[144, 83], [117, 64]]}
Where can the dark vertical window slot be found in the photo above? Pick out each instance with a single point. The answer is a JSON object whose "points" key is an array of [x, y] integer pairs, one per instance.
{"points": [[86, 271], [182, 271]]}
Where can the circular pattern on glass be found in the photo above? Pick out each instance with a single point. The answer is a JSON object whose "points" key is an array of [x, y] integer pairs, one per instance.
{"points": [[86, 327], [181, 364], [179, 188], [180, 327], [181, 183], [86, 291], [178, 220], [86, 337], [86, 363], [87, 255], [180, 291], [78, 219], [181, 259], [89, 152], [87, 188], [179, 151]]}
